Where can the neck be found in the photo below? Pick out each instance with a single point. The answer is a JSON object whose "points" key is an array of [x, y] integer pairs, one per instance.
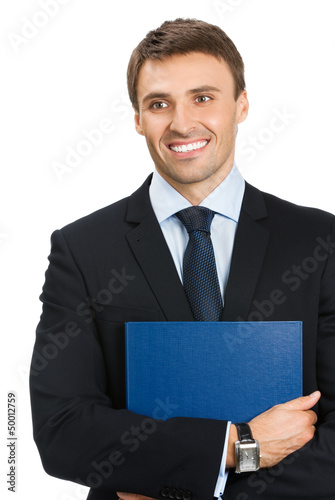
{"points": [[196, 192]]}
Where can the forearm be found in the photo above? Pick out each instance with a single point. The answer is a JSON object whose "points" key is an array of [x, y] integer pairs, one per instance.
{"points": [[82, 438], [289, 479], [102, 448]]}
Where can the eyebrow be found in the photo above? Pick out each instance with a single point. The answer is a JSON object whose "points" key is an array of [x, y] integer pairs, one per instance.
{"points": [[166, 95], [204, 88]]}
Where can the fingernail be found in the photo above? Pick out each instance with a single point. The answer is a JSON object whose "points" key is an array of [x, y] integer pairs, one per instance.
{"points": [[314, 394]]}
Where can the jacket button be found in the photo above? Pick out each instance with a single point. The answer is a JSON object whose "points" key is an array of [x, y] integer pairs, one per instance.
{"points": [[172, 493], [179, 495], [165, 492], [187, 495]]}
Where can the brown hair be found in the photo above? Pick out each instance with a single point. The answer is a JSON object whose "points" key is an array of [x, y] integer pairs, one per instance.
{"points": [[184, 36]]}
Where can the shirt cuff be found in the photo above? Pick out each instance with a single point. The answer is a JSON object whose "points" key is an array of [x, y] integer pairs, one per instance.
{"points": [[223, 475]]}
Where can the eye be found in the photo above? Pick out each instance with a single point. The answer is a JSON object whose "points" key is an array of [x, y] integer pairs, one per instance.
{"points": [[203, 98], [159, 105]]}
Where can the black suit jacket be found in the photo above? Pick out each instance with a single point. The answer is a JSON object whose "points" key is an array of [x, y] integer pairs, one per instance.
{"points": [[114, 266]]}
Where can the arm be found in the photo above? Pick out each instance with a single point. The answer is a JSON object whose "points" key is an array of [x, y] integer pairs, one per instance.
{"points": [[80, 436], [308, 473], [280, 431]]}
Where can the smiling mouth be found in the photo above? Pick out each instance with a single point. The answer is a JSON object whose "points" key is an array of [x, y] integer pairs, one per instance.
{"points": [[186, 148]]}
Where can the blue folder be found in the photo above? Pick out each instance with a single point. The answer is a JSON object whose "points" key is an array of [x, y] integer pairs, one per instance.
{"points": [[222, 370]]}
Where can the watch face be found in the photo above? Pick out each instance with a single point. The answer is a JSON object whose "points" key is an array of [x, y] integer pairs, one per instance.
{"points": [[248, 457]]}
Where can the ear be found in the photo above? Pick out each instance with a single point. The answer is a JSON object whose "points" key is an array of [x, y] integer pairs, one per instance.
{"points": [[242, 107], [138, 122]]}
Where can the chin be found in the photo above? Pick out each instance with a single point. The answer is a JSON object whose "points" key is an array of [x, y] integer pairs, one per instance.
{"points": [[189, 179]]}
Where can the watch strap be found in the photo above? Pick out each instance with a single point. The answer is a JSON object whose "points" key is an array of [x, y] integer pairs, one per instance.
{"points": [[244, 432]]}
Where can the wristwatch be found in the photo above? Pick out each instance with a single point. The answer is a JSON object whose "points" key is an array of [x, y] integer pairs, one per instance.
{"points": [[247, 450]]}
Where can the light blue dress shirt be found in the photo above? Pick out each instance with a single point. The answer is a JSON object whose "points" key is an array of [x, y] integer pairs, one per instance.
{"points": [[225, 201]]}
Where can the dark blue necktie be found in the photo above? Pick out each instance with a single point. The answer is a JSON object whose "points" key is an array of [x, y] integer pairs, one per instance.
{"points": [[200, 278]]}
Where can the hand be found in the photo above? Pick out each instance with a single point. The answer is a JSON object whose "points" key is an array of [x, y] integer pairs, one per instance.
{"points": [[281, 430], [132, 496]]}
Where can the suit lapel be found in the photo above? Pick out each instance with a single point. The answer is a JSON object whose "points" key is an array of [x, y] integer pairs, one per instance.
{"points": [[248, 254], [153, 255]]}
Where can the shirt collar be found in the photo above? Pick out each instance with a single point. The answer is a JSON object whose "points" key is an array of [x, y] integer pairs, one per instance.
{"points": [[226, 199]]}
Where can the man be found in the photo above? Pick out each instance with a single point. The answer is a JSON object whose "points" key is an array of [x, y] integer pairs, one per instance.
{"points": [[125, 263]]}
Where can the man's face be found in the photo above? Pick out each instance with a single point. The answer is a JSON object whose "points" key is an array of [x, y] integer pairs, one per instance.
{"points": [[189, 117]]}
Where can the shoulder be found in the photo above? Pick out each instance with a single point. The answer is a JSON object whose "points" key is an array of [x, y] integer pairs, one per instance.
{"points": [[114, 213], [297, 223], [97, 224], [114, 219], [283, 208], [276, 206], [288, 221]]}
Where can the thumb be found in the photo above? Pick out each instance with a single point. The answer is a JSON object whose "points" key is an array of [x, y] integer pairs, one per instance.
{"points": [[303, 403]]}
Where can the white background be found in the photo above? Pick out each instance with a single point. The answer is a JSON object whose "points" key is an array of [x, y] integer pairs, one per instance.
{"points": [[67, 77]]}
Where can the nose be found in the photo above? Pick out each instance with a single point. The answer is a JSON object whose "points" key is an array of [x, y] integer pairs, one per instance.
{"points": [[182, 121]]}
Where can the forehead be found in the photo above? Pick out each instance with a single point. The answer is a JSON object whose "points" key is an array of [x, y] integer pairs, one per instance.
{"points": [[181, 73]]}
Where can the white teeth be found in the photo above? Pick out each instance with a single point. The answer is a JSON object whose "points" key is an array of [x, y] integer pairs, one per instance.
{"points": [[189, 147]]}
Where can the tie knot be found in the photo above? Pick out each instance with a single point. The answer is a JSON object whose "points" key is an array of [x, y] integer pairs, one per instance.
{"points": [[196, 218]]}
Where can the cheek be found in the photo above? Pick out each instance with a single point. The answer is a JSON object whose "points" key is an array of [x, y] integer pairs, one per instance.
{"points": [[226, 126], [153, 138], [153, 131], [219, 122]]}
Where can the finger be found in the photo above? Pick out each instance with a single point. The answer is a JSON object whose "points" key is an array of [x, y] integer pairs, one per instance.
{"points": [[313, 416], [312, 429], [303, 403], [131, 496], [127, 496]]}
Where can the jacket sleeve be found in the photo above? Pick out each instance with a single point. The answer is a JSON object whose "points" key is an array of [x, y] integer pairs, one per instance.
{"points": [[79, 435], [308, 473]]}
